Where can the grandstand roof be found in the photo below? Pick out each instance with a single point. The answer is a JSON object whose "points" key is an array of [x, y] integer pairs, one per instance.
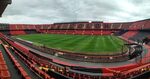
{"points": [[79, 22], [3, 5]]}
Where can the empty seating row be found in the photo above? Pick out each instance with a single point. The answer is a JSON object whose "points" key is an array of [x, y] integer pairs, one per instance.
{"points": [[129, 34], [125, 26], [71, 26], [137, 25], [31, 64], [30, 32], [79, 32], [116, 26], [78, 75], [4, 26], [133, 72], [147, 25], [140, 35], [4, 72], [17, 64], [46, 63], [17, 32], [21, 27]]}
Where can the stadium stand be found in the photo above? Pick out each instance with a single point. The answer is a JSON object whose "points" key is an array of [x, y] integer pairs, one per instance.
{"points": [[17, 65], [4, 28], [116, 26], [146, 25], [125, 26], [48, 68], [30, 32], [129, 34], [4, 72], [140, 35], [17, 32]]}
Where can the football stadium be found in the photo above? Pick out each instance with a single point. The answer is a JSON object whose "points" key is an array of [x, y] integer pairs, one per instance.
{"points": [[74, 50]]}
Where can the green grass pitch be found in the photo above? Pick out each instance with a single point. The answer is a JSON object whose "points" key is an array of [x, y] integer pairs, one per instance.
{"points": [[77, 43]]}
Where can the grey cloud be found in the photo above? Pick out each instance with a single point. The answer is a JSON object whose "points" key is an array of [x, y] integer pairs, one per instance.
{"points": [[49, 11]]}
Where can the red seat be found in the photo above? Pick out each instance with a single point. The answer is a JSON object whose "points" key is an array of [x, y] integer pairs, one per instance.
{"points": [[24, 74], [14, 60], [3, 67], [27, 77], [2, 62], [17, 64], [20, 69], [5, 75], [47, 76]]}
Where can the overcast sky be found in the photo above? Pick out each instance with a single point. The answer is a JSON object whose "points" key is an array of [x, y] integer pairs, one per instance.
{"points": [[50, 11]]}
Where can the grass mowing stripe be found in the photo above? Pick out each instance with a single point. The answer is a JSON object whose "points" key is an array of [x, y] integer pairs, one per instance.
{"points": [[108, 42], [114, 45], [60, 40], [119, 41], [81, 45], [89, 45], [115, 41], [64, 41], [95, 48], [92, 46], [103, 42], [100, 44], [62, 44], [68, 45], [71, 44], [97, 42], [81, 42]]}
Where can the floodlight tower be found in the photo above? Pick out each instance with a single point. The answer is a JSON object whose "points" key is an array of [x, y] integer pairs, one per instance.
{"points": [[90, 21]]}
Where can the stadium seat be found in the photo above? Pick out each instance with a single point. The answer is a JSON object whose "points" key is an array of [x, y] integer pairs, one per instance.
{"points": [[5, 74]]}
